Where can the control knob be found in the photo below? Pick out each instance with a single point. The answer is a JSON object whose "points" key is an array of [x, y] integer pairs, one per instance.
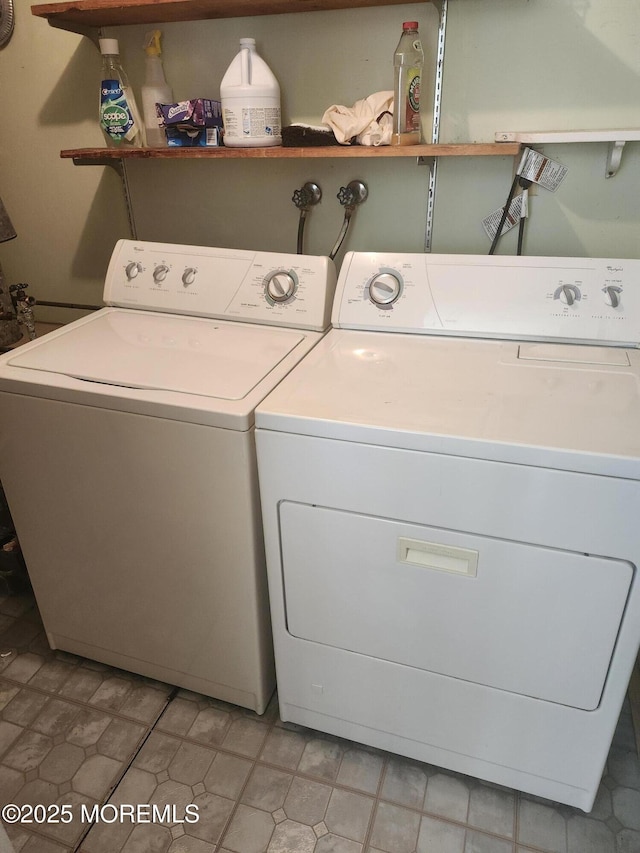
{"points": [[280, 286], [132, 269], [384, 288], [188, 276], [567, 293], [612, 295], [160, 273]]}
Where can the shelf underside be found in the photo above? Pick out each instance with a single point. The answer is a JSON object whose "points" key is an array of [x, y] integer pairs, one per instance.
{"points": [[81, 14], [331, 151]]}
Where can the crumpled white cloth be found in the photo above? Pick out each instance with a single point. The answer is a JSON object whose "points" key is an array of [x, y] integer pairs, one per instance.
{"points": [[369, 120]]}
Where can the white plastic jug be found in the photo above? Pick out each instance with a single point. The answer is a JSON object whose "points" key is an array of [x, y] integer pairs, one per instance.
{"points": [[250, 97]]}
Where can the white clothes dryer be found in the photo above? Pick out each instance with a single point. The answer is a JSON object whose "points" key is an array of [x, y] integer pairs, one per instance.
{"points": [[127, 455], [450, 488]]}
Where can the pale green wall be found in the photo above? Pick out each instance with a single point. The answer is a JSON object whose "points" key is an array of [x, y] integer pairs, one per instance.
{"points": [[67, 219], [542, 65], [509, 65], [320, 59]]}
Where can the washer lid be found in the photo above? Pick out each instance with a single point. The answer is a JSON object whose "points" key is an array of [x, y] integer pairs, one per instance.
{"points": [[136, 349]]}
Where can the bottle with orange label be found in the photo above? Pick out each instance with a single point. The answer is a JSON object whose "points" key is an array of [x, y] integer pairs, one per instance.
{"points": [[407, 62]]}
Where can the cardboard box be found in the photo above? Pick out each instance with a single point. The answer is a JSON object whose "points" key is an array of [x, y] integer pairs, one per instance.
{"points": [[209, 137], [189, 124], [194, 114]]}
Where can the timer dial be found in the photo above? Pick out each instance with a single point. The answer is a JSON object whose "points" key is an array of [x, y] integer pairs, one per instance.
{"points": [[280, 286], [384, 288]]}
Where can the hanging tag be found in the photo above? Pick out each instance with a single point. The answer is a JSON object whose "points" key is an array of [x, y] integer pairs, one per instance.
{"points": [[541, 170], [491, 222]]}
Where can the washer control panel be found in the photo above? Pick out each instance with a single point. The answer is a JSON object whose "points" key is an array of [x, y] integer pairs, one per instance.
{"points": [[255, 287], [541, 298]]}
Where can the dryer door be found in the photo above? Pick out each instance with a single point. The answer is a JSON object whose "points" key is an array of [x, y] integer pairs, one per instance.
{"points": [[513, 616]]}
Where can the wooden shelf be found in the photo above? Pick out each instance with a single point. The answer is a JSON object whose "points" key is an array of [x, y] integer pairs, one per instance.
{"points": [[102, 155], [79, 15]]}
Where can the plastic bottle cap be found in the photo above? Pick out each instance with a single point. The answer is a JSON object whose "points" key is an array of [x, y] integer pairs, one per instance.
{"points": [[247, 42], [109, 46], [410, 25]]}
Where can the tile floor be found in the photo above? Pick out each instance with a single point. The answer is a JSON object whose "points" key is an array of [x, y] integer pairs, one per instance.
{"points": [[82, 735]]}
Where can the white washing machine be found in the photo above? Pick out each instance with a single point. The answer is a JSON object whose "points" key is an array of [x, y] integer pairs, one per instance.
{"points": [[450, 488], [127, 455]]}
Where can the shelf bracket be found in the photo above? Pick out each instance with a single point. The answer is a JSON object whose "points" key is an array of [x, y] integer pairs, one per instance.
{"points": [[616, 140], [89, 32], [118, 166], [614, 158], [114, 162]]}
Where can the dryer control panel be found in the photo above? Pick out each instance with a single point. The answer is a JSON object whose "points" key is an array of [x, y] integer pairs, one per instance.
{"points": [[255, 287], [539, 298]]}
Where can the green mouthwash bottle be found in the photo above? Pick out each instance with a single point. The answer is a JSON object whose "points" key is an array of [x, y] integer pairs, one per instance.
{"points": [[119, 116]]}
